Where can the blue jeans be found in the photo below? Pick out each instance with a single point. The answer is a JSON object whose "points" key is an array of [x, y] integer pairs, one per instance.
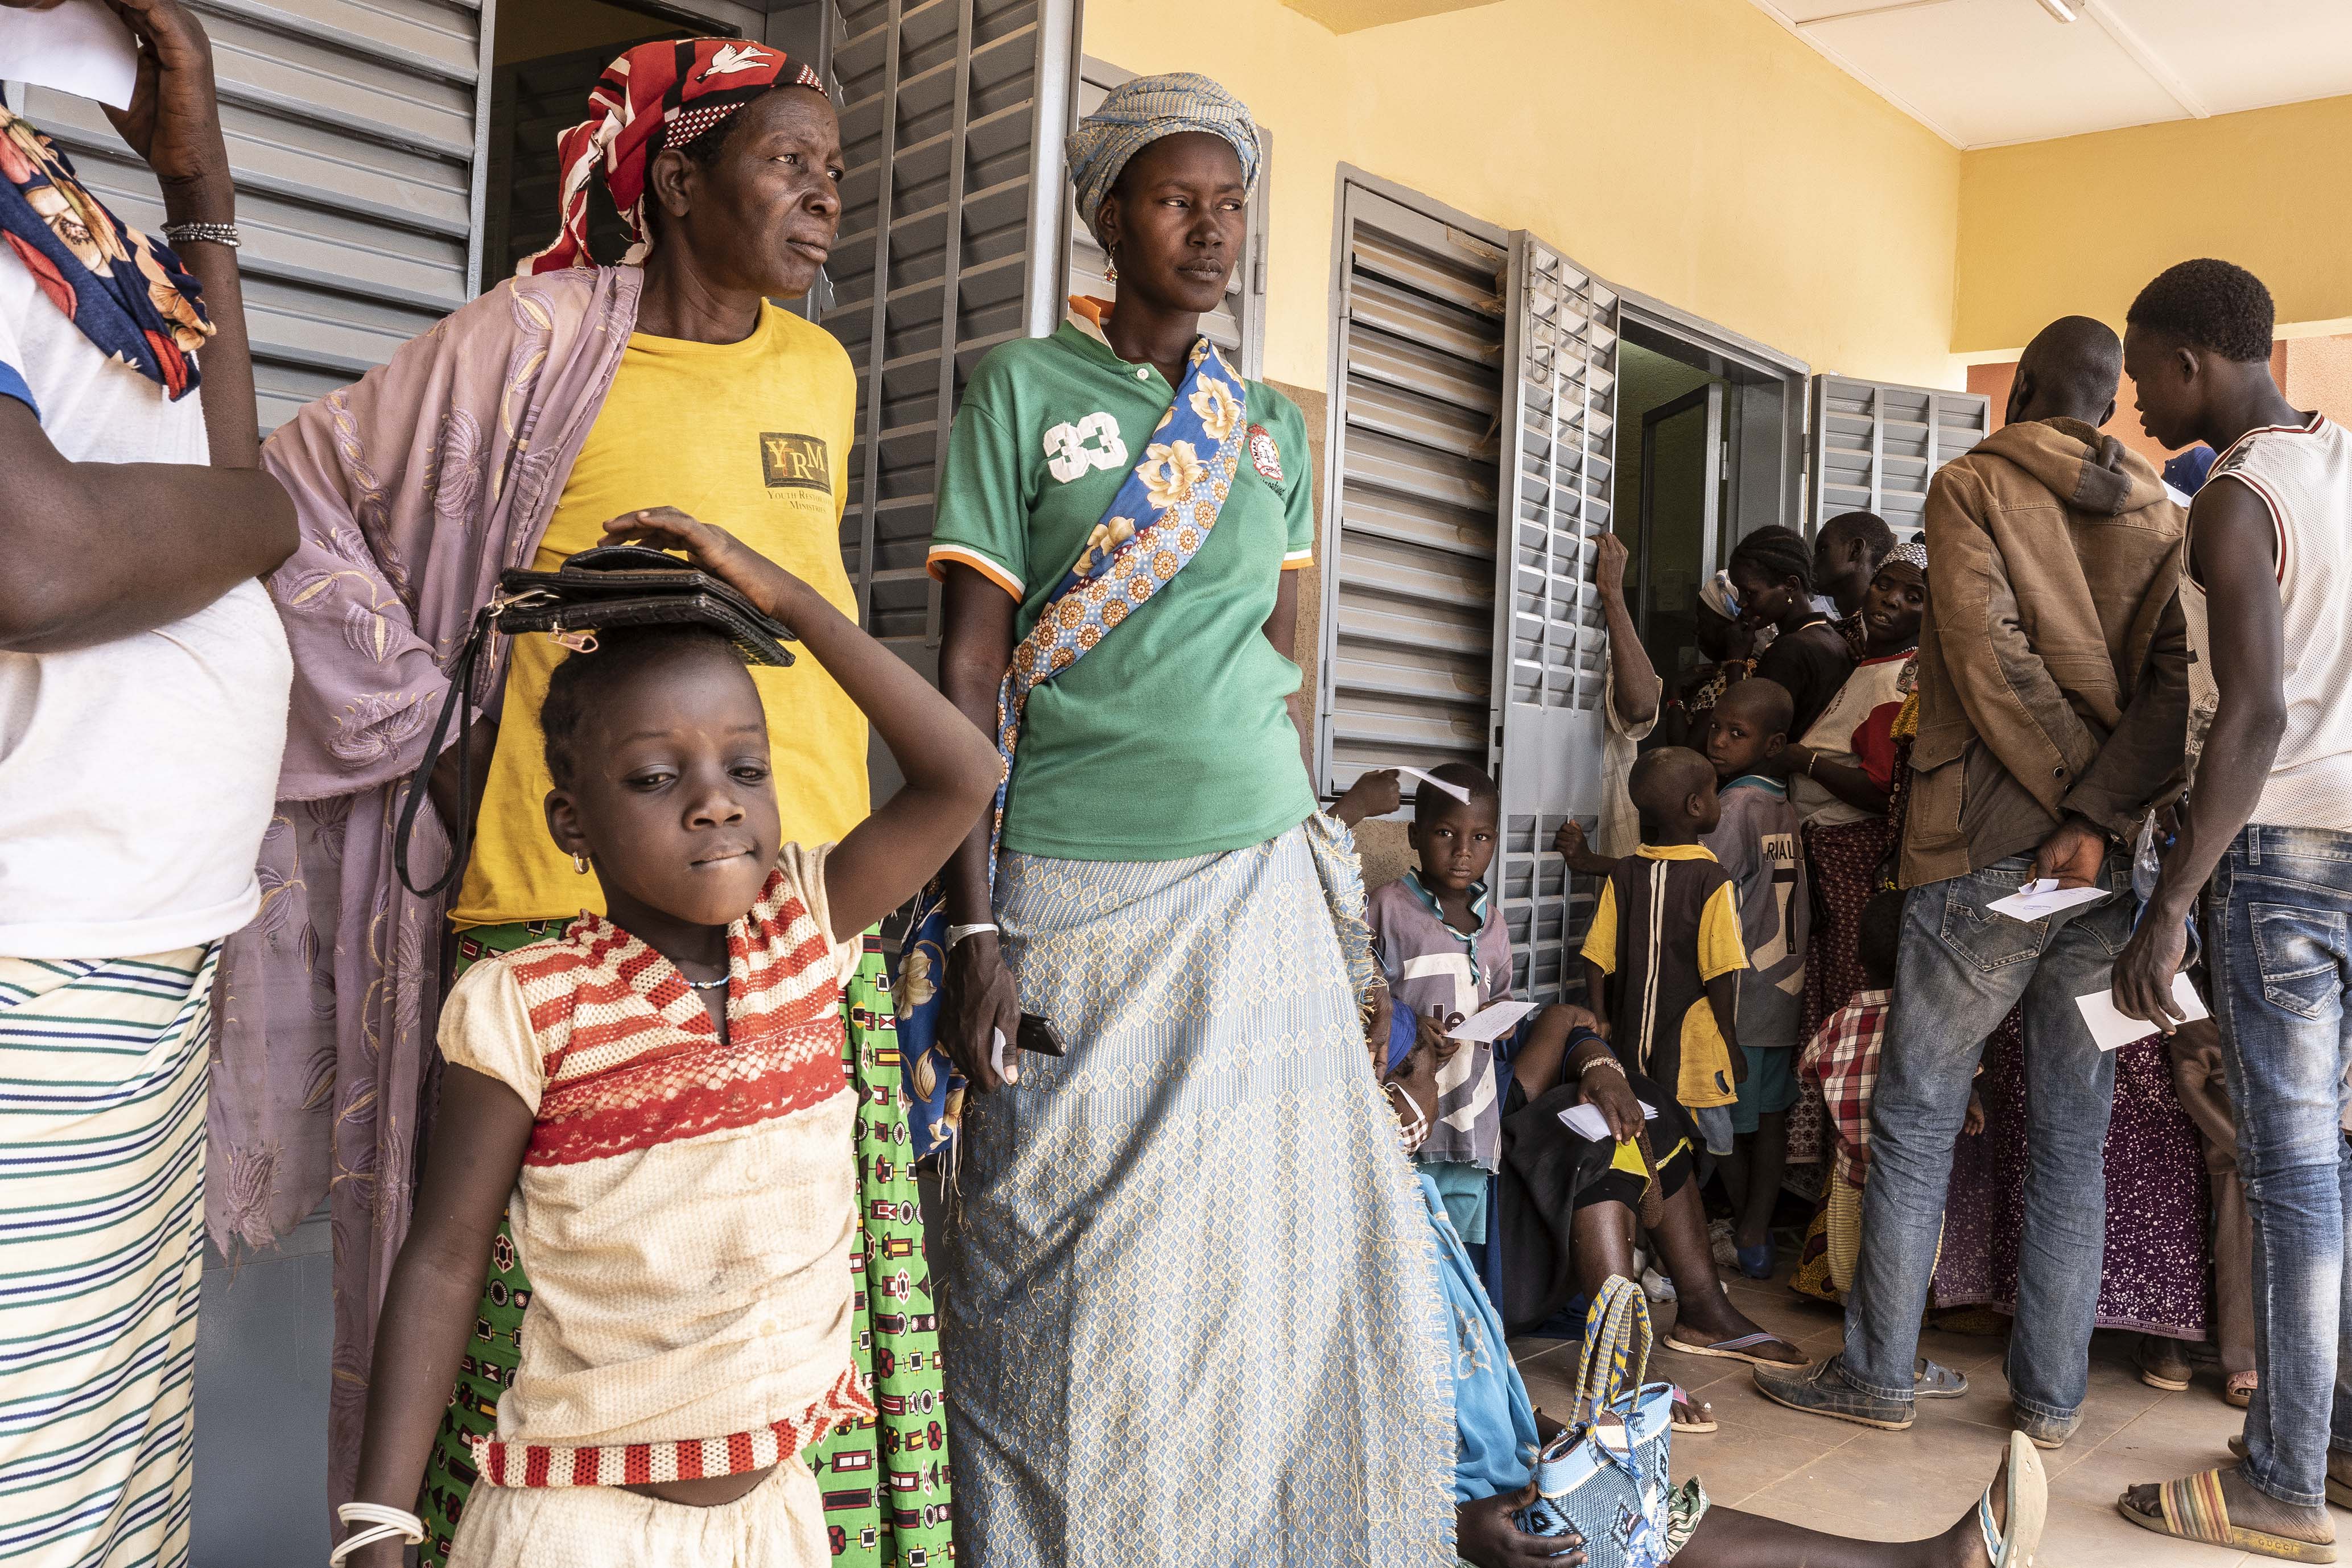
{"points": [[2277, 911], [1957, 972]]}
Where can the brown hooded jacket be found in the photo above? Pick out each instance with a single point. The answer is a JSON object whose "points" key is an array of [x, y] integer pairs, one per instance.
{"points": [[2053, 664]]}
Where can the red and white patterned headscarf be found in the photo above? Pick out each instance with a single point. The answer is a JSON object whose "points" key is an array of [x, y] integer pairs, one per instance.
{"points": [[657, 95]]}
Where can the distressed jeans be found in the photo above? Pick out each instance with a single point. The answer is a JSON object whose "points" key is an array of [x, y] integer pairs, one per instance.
{"points": [[1958, 970], [2277, 910]]}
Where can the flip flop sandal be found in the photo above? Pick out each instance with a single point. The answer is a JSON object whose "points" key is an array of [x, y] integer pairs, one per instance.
{"points": [[1733, 1350], [2155, 1379], [2027, 1508], [1934, 1379], [2193, 1510], [1690, 1417], [2238, 1395], [1755, 1262], [2339, 1492]]}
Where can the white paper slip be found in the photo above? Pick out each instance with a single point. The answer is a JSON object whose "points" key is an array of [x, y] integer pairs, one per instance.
{"points": [[2112, 1030], [1491, 1023], [80, 48], [2045, 897], [1455, 790], [1587, 1121]]}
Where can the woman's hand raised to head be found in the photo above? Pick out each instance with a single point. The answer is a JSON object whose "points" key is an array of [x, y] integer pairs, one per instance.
{"points": [[772, 589], [173, 121]]}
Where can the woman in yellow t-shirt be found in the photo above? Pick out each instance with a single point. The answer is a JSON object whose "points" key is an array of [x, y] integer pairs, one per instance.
{"points": [[515, 431]]}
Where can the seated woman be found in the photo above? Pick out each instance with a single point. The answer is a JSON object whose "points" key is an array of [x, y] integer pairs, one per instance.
{"points": [[1563, 1055], [1498, 1428]]}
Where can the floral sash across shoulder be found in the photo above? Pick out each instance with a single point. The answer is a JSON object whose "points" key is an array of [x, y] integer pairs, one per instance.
{"points": [[1156, 523]]}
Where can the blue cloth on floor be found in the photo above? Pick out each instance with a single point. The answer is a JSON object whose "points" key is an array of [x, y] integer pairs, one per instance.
{"points": [[1464, 1188], [1494, 1419]]}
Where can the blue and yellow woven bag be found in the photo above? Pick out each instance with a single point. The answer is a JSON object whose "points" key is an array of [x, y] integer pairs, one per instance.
{"points": [[1605, 1476]]}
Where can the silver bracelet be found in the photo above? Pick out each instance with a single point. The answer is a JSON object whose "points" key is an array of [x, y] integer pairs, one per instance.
{"points": [[1609, 1061], [176, 235], [957, 934]]}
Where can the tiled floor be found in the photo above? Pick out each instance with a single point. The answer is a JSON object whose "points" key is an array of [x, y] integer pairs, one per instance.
{"points": [[1897, 1485]]}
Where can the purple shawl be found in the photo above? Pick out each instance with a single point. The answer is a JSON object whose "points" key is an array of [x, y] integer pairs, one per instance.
{"points": [[414, 488]]}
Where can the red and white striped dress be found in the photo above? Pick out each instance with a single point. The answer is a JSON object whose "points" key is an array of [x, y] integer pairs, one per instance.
{"points": [[686, 1207]]}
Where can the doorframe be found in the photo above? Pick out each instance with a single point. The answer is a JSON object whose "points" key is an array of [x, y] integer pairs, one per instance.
{"points": [[1721, 349], [1711, 540]]}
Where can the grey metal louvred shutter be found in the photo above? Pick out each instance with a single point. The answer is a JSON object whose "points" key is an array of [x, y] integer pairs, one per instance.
{"points": [[1408, 557], [1877, 443], [350, 132], [952, 116], [1238, 325], [1550, 642]]}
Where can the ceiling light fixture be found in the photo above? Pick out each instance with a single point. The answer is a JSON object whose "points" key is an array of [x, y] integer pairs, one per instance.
{"points": [[2059, 9]]}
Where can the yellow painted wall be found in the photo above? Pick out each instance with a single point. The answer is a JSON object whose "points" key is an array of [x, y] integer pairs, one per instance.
{"points": [[2078, 225], [1690, 149]]}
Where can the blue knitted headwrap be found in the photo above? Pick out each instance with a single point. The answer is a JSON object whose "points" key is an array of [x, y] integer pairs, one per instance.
{"points": [[1142, 111]]}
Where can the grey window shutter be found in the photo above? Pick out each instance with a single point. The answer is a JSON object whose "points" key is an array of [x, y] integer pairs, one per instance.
{"points": [[1238, 326], [1877, 443], [350, 132], [1550, 643], [952, 117], [1408, 557]]}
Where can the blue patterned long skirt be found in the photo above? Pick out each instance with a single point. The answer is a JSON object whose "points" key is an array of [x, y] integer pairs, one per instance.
{"points": [[1190, 1313]]}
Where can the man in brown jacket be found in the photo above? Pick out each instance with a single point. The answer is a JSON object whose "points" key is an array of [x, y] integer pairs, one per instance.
{"points": [[2054, 700]]}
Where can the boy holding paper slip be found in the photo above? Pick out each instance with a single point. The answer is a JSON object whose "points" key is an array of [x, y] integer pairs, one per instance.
{"points": [[1446, 954]]}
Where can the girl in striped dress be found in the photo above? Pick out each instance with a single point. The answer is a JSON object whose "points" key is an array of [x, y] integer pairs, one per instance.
{"points": [[656, 1098]]}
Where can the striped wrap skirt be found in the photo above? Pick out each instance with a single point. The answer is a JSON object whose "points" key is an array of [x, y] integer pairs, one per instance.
{"points": [[102, 1067]]}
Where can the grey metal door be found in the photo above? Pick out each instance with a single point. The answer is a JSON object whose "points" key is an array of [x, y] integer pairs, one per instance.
{"points": [[1414, 462], [1877, 443], [952, 116], [352, 135], [1237, 326], [1550, 643]]}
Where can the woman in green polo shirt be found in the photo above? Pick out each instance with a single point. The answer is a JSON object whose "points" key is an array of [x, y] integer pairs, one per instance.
{"points": [[1188, 1292]]}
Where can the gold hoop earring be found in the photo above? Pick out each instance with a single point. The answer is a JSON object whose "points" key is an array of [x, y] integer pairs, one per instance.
{"points": [[580, 864]]}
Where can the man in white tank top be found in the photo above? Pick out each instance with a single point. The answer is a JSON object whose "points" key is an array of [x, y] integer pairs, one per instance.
{"points": [[2267, 593]]}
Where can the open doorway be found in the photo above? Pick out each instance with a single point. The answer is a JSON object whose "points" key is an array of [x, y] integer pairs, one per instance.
{"points": [[1708, 449]]}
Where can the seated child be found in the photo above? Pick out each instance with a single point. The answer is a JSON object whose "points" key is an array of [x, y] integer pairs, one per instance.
{"points": [[1499, 1430], [1446, 954], [1842, 1060], [657, 1097], [1757, 843]]}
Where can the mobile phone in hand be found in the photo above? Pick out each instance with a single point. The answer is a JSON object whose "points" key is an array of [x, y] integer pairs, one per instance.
{"points": [[1037, 1033]]}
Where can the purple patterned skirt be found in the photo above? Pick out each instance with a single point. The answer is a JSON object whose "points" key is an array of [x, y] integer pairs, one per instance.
{"points": [[2154, 1274]]}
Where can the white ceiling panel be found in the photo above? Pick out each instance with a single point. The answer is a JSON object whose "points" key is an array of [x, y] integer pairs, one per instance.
{"points": [[2247, 54], [1984, 73]]}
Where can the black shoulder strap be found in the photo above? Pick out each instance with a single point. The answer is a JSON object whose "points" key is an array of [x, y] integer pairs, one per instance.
{"points": [[460, 701]]}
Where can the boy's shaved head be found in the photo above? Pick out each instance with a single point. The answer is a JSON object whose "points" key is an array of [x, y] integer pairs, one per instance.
{"points": [[1664, 779], [1765, 704]]}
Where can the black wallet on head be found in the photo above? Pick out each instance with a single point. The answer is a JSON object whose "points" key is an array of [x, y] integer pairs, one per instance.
{"points": [[604, 589], [620, 585]]}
